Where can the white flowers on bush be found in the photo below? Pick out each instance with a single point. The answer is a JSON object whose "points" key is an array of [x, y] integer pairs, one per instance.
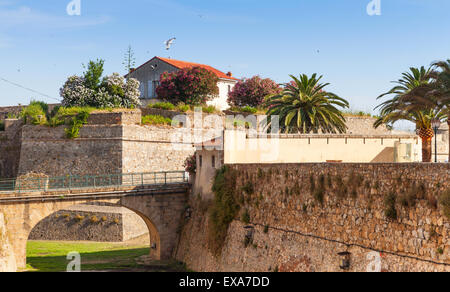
{"points": [[114, 91], [75, 93], [132, 92]]}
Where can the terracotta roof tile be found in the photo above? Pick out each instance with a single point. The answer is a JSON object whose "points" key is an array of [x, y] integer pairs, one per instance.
{"points": [[182, 64]]}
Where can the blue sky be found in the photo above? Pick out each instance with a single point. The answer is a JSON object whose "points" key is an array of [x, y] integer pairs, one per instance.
{"points": [[40, 45]]}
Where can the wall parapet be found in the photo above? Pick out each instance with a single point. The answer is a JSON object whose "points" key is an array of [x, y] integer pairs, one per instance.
{"points": [[332, 136]]}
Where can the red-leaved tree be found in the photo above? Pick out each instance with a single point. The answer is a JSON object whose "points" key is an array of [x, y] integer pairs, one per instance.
{"points": [[252, 91], [193, 86]]}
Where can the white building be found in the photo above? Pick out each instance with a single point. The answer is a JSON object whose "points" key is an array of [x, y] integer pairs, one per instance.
{"points": [[149, 75]]}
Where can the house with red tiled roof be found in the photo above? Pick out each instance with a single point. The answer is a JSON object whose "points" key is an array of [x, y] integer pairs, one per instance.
{"points": [[150, 72]]}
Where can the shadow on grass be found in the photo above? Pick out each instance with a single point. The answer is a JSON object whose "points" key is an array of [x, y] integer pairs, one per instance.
{"points": [[102, 260]]}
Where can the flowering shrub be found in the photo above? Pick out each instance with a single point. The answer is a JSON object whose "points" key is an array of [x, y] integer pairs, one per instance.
{"points": [[75, 93], [193, 86], [190, 164], [113, 91], [251, 92]]}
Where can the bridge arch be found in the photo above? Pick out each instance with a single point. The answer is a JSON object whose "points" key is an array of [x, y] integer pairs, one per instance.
{"points": [[155, 239], [161, 211], [153, 242]]}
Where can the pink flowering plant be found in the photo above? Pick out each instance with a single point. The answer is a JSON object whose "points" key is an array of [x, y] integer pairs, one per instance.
{"points": [[251, 92], [190, 164], [192, 86]]}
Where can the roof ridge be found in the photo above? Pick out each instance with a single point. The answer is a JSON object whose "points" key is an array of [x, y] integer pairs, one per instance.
{"points": [[218, 73]]}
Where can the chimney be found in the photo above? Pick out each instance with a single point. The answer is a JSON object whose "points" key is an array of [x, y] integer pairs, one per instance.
{"points": [[229, 74], [132, 70]]}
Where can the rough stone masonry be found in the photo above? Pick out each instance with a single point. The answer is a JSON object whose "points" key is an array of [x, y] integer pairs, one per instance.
{"points": [[298, 227]]}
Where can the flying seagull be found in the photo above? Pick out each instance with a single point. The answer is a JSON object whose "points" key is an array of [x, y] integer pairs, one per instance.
{"points": [[169, 43]]}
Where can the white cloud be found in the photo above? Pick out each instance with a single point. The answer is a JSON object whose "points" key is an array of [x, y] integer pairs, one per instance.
{"points": [[25, 16]]}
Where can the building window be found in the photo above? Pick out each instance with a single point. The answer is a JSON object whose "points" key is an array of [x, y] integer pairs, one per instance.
{"points": [[152, 85], [142, 89], [229, 88], [213, 162], [155, 85], [200, 160], [150, 89]]}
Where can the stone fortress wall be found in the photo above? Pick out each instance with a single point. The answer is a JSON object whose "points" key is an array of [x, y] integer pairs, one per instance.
{"points": [[110, 143], [10, 146], [295, 231]]}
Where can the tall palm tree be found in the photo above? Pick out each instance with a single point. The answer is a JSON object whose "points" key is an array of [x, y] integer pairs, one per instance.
{"points": [[435, 94], [443, 84], [404, 106], [304, 107]]}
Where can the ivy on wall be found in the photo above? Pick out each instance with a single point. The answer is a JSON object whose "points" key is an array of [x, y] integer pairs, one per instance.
{"points": [[224, 208]]}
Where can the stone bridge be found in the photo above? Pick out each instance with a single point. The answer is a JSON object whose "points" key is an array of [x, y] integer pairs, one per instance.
{"points": [[161, 206]]}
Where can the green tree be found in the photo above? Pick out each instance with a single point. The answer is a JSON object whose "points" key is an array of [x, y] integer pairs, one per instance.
{"points": [[304, 107], [405, 105], [93, 74], [436, 93]]}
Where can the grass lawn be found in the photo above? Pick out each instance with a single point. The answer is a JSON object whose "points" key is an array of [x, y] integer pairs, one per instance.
{"points": [[50, 256]]}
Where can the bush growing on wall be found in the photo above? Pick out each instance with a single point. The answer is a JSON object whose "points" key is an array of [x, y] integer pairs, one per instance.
{"points": [[445, 203], [251, 92], [192, 86], [112, 92], [35, 113], [224, 209]]}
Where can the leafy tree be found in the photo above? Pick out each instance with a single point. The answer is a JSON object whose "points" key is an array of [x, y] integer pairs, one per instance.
{"points": [[252, 91], [405, 106], [192, 86], [304, 107], [93, 74]]}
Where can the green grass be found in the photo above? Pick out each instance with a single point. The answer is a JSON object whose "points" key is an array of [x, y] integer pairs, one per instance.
{"points": [[162, 105], [245, 109], [358, 113], [156, 120], [210, 109], [50, 256]]}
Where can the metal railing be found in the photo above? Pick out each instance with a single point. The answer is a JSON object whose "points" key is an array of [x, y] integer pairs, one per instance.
{"points": [[69, 182]]}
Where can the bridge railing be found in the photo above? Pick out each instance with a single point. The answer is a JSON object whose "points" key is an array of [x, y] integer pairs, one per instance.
{"points": [[69, 182]]}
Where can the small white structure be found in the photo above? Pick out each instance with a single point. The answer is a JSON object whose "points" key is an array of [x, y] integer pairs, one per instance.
{"points": [[209, 156], [149, 75], [241, 147]]}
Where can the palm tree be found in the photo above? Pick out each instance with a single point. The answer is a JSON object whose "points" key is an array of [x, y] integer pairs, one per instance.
{"points": [[404, 106], [435, 94], [304, 107], [442, 79]]}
